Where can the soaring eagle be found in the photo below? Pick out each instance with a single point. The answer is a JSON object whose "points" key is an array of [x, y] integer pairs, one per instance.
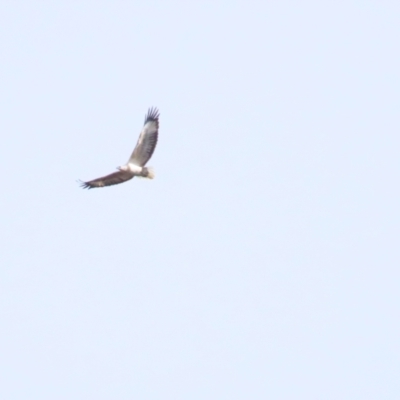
{"points": [[136, 164]]}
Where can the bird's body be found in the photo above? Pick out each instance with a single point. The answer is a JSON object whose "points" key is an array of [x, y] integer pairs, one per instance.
{"points": [[141, 154]]}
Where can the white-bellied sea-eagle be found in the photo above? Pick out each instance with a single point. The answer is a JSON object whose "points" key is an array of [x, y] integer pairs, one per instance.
{"points": [[141, 154]]}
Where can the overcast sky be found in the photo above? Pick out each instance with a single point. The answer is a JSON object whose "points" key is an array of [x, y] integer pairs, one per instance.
{"points": [[262, 262]]}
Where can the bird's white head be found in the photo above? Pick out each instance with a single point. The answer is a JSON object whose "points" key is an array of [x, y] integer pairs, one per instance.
{"points": [[122, 168]]}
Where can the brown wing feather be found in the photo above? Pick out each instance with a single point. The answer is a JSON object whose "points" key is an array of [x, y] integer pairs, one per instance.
{"points": [[112, 179]]}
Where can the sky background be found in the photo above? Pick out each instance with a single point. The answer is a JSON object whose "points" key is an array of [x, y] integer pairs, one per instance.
{"points": [[263, 260]]}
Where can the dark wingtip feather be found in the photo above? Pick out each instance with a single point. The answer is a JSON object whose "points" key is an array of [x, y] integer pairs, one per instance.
{"points": [[84, 185], [152, 115]]}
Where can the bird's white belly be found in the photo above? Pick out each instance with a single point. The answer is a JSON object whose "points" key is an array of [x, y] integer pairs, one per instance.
{"points": [[135, 169]]}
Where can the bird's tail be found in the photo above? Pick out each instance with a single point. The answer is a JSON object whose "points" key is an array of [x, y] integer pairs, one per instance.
{"points": [[149, 172]]}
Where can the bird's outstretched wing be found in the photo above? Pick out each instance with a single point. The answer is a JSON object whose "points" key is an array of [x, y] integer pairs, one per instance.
{"points": [[147, 140], [113, 179]]}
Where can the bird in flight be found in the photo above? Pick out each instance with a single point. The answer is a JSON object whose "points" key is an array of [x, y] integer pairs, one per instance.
{"points": [[141, 154]]}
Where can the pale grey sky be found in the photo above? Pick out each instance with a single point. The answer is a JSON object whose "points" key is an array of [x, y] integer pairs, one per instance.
{"points": [[262, 262]]}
